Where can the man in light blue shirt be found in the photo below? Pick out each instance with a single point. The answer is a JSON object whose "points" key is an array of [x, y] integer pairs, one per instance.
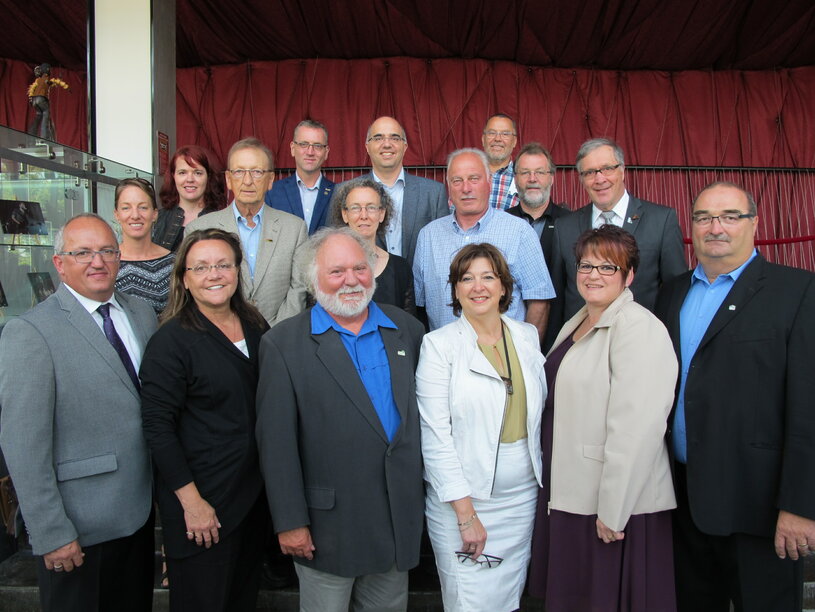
{"points": [[475, 221]]}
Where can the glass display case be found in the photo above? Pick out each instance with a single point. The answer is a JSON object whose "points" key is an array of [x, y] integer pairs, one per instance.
{"points": [[43, 184]]}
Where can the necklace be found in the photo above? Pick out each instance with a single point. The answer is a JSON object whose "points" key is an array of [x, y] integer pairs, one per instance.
{"points": [[508, 378]]}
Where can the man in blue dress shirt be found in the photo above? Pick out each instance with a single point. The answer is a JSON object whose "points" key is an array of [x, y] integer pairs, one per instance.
{"points": [[742, 433]]}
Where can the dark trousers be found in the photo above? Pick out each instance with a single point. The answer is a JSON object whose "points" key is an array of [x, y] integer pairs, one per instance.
{"points": [[226, 577], [713, 570], [115, 575]]}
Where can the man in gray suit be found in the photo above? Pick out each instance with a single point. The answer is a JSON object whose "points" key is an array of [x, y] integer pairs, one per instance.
{"points": [[342, 458], [417, 201], [71, 429], [601, 167], [269, 237]]}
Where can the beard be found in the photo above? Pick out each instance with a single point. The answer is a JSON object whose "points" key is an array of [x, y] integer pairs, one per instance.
{"points": [[535, 199], [335, 306]]}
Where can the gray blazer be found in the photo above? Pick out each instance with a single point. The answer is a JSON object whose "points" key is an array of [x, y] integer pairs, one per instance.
{"points": [[425, 200], [70, 426], [662, 257], [324, 454], [276, 290]]}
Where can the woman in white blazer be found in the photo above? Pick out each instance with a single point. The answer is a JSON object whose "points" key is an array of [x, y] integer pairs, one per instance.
{"points": [[481, 387], [603, 528]]}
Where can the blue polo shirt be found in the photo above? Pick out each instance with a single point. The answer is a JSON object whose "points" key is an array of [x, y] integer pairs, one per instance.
{"points": [[700, 306], [367, 352]]}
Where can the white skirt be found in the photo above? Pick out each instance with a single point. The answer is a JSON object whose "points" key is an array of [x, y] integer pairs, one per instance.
{"points": [[508, 516]]}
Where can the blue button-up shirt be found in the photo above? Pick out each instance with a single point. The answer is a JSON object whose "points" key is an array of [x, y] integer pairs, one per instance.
{"points": [[367, 351], [701, 304], [250, 236], [308, 198], [439, 241], [393, 235]]}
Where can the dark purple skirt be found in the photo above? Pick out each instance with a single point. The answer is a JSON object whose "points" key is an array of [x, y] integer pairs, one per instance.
{"points": [[574, 571]]}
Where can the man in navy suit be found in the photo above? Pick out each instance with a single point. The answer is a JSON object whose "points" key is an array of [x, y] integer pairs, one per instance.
{"points": [[601, 166], [417, 201], [307, 192]]}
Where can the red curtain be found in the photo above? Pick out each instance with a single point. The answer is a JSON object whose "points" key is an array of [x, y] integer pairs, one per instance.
{"points": [[696, 118]]}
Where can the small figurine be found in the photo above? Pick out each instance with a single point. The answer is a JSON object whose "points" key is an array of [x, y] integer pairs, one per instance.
{"points": [[42, 126]]}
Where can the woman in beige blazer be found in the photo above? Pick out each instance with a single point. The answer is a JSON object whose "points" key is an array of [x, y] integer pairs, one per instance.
{"points": [[603, 529]]}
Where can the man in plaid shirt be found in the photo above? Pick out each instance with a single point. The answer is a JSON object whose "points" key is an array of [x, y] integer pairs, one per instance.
{"points": [[499, 139]]}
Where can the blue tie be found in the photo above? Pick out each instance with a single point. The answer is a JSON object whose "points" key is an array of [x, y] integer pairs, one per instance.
{"points": [[116, 342]]}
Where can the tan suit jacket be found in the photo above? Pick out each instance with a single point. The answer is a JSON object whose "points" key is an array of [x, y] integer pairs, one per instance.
{"points": [[613, 393], [275, 290]]}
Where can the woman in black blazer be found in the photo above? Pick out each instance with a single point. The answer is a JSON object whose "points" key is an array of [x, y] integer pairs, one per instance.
{"points": [[199, 374]]}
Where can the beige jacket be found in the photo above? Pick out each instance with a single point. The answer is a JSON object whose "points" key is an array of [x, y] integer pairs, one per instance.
{"points": [[613, 394]]}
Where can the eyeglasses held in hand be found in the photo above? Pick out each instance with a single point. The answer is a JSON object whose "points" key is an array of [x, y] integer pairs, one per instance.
{"points": [[488, 561]]}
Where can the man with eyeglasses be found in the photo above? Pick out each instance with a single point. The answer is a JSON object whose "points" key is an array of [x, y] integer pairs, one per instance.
{"points": [[416, 201], [71, 429], [534, 175], [472, 221], [742, 433], [601, 168], [499, 139], [307, 192], [269, 237]]}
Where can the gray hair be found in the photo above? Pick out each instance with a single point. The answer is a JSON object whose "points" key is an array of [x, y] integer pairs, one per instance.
{"points": [[342, 192], [311, 123], [595, 143], [307, 254], [752, 208], [59, 237], [250, 143], [478, 152]]}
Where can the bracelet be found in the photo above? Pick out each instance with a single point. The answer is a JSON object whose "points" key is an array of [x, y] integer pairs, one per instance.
{"points": [[468, 523]]}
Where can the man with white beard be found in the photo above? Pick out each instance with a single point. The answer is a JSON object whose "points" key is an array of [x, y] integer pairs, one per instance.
{"points": [[338, 433], [534, 175]]}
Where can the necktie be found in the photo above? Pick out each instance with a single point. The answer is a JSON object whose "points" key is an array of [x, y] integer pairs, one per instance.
{"points": [[116, 342], [608, 217]]}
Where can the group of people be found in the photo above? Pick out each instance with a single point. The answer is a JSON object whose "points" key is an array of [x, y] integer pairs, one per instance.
{"points": [[553, 395]]}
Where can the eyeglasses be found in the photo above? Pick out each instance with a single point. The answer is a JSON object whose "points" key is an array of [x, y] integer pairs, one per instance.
{"points": [[380, 138], [539, 172], [202, 269], [255, 173], [604, 269], [605, 171], [703, 220], [317, 146], [86, 255], [371, 209], [483, 560], [496, 134], [458, 181]]}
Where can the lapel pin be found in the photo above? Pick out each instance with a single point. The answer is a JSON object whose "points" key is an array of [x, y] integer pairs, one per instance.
{"points": [[731, 307], [400, 353]]}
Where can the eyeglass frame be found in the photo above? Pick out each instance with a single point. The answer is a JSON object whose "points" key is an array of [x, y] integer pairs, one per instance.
{"points": [[372, 209], [490, 561], [115, 254], [303, 145], [256, 174], [592, 268], [605, 171], [705, 220], [499, 133], [538, 172], [381, 138], [203, 269]]}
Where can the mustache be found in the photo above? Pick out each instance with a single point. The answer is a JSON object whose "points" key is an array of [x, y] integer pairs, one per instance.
{"points": [[717, 237], [350, 289]]}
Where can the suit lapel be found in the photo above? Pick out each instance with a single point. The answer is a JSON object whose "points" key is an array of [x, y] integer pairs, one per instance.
{"points": [[401, 368], [293, 196], [583, 219], [748, 285], [82, 321], [333, 355], [410, 205], [675, 301], [268, 243], [320, 206], [632, 215]]}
